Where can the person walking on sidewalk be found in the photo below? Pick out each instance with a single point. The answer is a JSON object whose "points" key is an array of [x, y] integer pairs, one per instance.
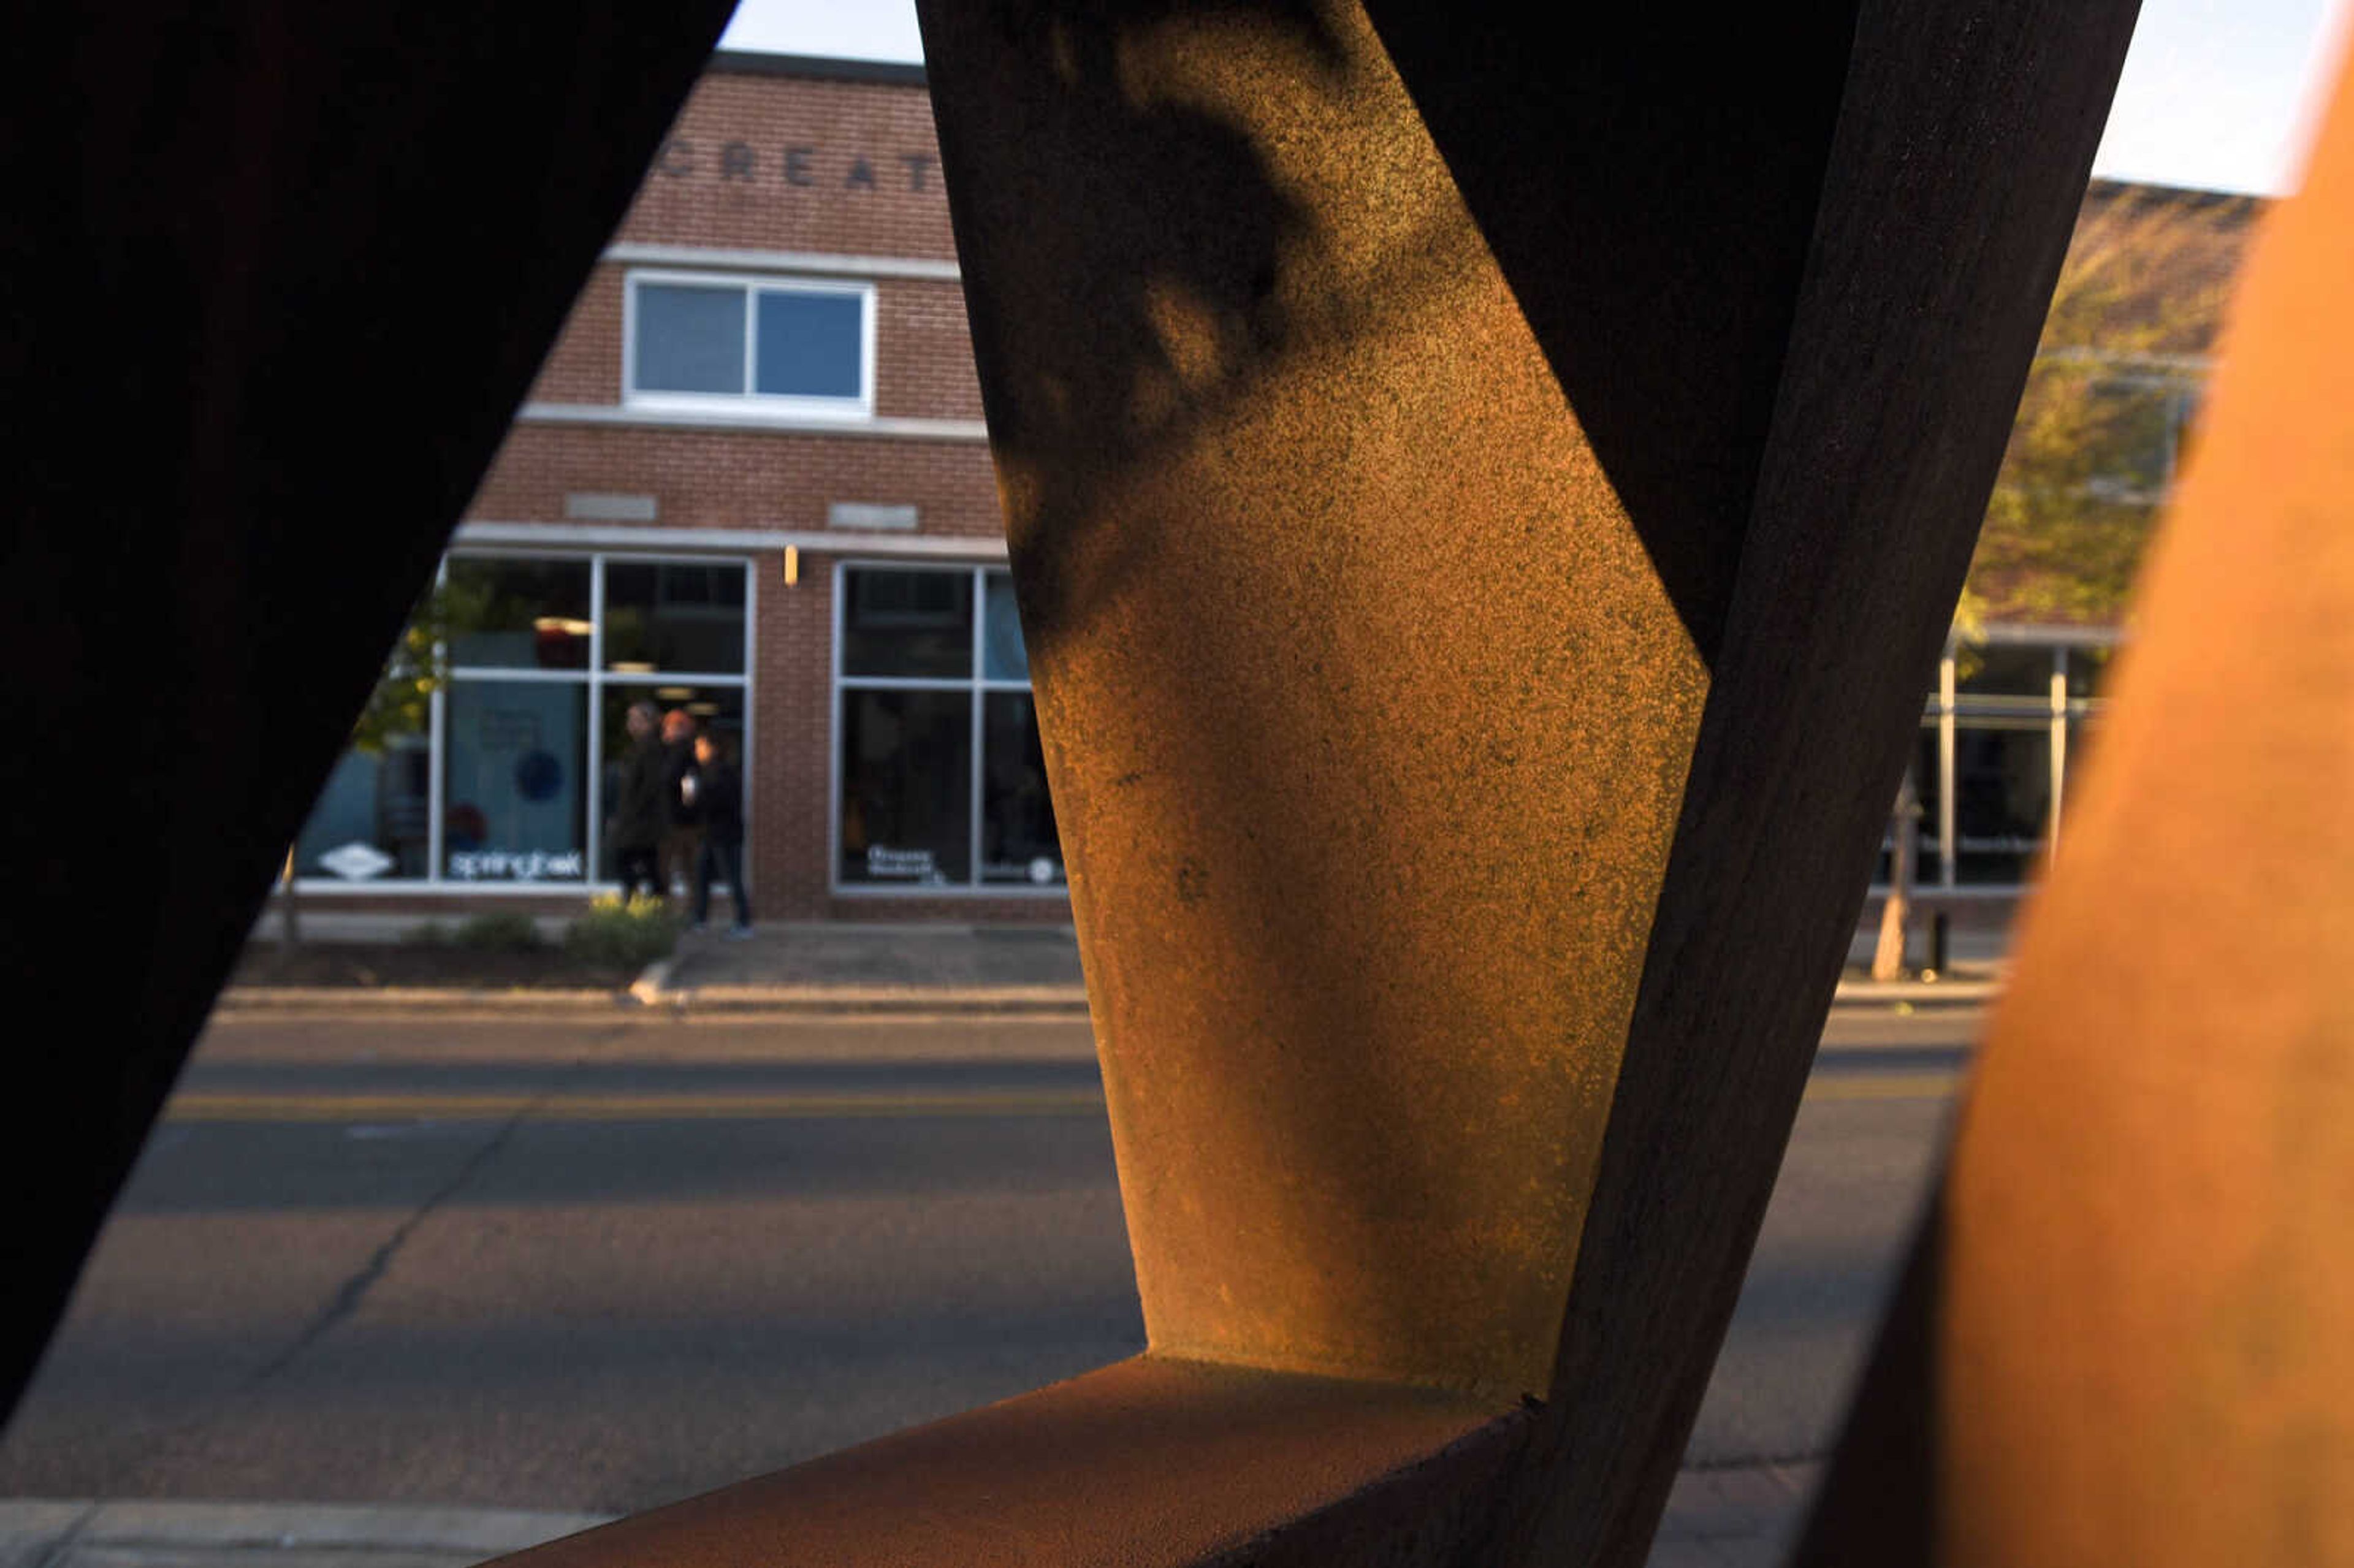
{"points": [[681, 832], [636, 826], [719, 790]]}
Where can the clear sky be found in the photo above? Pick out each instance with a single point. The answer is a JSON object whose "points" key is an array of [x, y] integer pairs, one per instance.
{"points": [[2217, 94]]}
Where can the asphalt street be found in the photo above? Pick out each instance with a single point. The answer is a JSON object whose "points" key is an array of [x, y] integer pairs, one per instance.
{"points": [[598, 1265]]}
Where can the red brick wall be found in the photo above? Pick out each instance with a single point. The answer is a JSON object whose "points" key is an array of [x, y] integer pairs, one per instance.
{"points": [[691, 196], [792, 670], [756, 477], [740, 479]]}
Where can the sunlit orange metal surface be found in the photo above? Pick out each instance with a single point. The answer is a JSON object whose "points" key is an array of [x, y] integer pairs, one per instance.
{"points": [[1147, 1464], [2146, 1344], [1365, 712]]}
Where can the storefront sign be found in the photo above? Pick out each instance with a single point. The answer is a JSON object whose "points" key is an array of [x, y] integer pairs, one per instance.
{"points": [[740, 163], [916, 863], [357, 862], [517, 866]]}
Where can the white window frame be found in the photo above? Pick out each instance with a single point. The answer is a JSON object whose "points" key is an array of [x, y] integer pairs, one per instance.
{"points": [[978, 686], [748, 403], [1950, 711]]}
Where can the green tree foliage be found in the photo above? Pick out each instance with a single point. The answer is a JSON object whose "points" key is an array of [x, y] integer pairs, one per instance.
{"points": [[2116, 376], [419, 665]]}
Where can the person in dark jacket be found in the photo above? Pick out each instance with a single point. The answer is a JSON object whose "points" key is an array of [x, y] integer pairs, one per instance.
{"points": [[718, 790], [682, 831], [635, 827]]}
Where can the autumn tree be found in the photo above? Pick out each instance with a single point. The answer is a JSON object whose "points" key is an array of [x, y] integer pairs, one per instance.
{"points": [[2109, 398], [400, 703], [2116, 376]]}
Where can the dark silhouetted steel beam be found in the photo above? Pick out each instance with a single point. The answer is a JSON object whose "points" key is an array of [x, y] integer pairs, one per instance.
{"points": [[276, 277]]}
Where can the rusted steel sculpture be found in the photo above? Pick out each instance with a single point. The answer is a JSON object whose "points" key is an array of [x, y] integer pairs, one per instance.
{"points": [[2129, 1335], [1456, 955]]}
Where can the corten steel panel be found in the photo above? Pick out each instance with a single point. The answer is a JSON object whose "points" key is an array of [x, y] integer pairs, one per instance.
{"points": [[275, 278], [1145, 1464], [1966, 134], [1286, 407], [1365, 712], [2140, 1347], [1372, 665]]}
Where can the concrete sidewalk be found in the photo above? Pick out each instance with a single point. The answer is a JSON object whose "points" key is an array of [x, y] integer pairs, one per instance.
{"points": [[1735, 1517], [130, 1533], [861, 967]]}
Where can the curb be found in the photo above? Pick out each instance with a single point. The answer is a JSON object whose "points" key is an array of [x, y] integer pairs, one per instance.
{"points": [[44, 1529], [1060, 1000], [402, 1001], [1919, 994], [651, 991]]}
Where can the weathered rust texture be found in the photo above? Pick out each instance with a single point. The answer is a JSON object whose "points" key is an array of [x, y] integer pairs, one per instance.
{"points": [[1964, 135], [1147, 1464], [1366, 715], [2143, 1349], [294, 266]]}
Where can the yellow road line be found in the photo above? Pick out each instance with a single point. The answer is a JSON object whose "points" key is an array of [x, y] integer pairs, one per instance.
{"points": [[202, 1106]]}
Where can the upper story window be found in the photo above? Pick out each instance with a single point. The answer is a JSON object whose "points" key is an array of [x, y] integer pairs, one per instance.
{"points": [[788, 347]]}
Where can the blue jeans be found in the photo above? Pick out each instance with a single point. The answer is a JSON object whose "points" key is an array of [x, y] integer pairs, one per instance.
{"points": [[718, 860]]}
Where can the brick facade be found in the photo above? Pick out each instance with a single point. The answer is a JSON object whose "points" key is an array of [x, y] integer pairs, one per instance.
{"points": [[772, 164]]}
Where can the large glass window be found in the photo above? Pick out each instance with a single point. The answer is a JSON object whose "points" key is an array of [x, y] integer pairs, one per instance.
{"points": [[941, 781], [716, 706], [510, 781], [780, 346], [907, 787], [2002, 799], [518, 614], [679, 616], [2002, 744], [514, 795], [370, 822], [916, 624], [1017, 819]]}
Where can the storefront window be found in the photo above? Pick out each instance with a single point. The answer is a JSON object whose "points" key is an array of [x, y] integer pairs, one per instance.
{"points": [[1017, 819], [2002, 801], [516, 614], [1002, 655], [716, 707], [673, 615], [909, 625], [515, 792], [907, 788], [943, 781], [510, 747], [370, 822]]}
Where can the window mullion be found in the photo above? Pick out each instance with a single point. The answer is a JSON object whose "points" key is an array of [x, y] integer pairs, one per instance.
{"points": [[751, 345], [980, 735]]}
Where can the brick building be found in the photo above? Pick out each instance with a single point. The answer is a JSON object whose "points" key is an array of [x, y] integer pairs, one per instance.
{"points": [[751, 481]]}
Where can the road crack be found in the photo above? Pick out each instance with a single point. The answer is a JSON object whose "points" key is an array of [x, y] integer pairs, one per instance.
{"points": [[355, 1289]]}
